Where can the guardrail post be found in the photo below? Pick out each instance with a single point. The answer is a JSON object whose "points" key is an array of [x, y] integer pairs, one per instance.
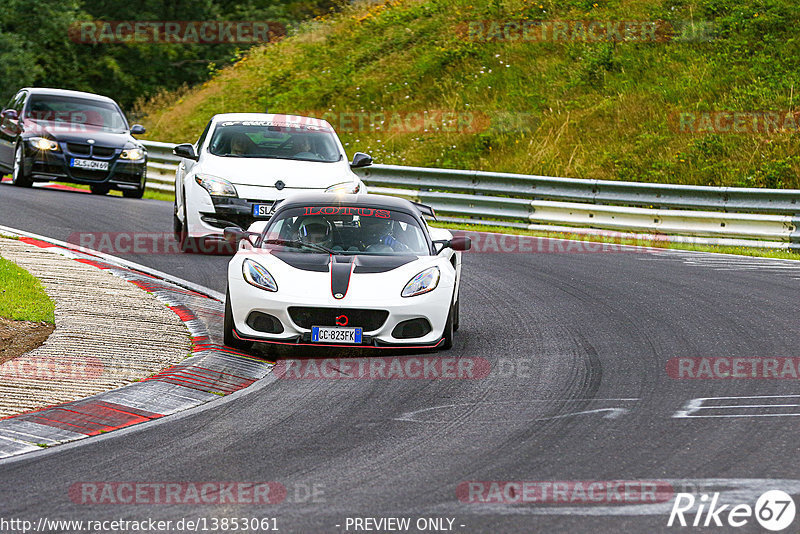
{"points": [[794, 237]]}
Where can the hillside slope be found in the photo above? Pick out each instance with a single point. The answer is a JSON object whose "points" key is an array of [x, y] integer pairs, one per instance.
{"points": [[612, 109]]}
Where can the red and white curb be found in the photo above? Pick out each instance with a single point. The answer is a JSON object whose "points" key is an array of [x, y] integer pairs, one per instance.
{"points": [[212, 371]]}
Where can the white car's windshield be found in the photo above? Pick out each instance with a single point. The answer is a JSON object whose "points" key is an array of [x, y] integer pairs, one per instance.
{"points": [[346, 230], [266, 139]]}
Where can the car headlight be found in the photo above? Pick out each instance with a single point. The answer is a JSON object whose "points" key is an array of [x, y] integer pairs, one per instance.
{"points": [[256, 275], [425, 281], [43, 143], [132, 153], [347, 188], [216, 186]]}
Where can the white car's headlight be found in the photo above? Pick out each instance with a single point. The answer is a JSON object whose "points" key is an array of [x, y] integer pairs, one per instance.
{"points": [[43, 143], [347, 188], [132, 153], [216, 186], [425, 281], [256, 275]]}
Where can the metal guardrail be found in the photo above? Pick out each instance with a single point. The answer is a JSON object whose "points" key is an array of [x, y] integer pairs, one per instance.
{"points": [[701, 214]]}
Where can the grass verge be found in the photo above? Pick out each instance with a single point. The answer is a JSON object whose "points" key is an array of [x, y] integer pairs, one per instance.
{"points": [[22, 297]]}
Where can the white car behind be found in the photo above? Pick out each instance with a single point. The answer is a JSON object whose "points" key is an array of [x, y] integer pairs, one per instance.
{"points": [[243, 162]]}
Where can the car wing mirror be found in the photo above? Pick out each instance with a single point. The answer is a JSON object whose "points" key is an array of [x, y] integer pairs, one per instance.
{"points": [[234, 234], [10, 114], [361, 160], [459, 243], [185, 150], [138, 129]]}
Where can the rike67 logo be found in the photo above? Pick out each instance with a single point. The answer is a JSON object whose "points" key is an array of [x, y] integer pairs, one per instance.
{"points": [[774, 510]]}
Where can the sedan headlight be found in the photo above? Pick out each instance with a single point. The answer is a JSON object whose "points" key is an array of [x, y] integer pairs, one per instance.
{"points": [[132, 153], [425, 281], [43, 143], [216, 186], [347, 188], [256, 275]]}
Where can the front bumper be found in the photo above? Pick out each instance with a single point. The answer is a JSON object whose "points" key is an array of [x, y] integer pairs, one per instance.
{"points": [[433, 307], [121, 174], [230, 211]]}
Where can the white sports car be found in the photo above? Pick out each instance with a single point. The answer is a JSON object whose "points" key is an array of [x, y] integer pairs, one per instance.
{"points": [[244, 162], [347, 270]]}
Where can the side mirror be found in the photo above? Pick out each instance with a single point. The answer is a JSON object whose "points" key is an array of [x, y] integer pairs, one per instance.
{"points": [[138, 129], [10, 114], [461, 243], [234, 234], [186, 150], [361, 160]]}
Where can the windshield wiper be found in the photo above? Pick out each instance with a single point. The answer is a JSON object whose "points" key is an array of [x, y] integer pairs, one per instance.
{"points": [[299, 244]]}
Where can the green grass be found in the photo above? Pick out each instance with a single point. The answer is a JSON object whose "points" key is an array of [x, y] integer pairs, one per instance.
{"points": [[583, 110], [22, 296]]}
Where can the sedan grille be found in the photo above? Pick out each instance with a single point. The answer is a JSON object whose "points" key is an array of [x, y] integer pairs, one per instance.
{"points": [[369, 320], [103, 152], [79, 150]]}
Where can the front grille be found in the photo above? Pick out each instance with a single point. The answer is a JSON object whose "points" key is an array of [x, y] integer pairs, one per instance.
{"points": [[78, 149], [103, 152], [369, 320]]}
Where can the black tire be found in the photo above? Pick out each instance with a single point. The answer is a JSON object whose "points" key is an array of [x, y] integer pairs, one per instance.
{"points": [[100, 189], [133, 193], [19, 177], [186, 243], [177, 227], [227, 327], [448, 331], [456, 316]]}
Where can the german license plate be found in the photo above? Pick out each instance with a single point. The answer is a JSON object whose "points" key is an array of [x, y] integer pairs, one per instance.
{"points": [[261, 210], [89, 164], [335, 334]]}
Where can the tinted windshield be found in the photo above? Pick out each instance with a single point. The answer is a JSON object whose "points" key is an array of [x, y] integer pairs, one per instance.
{"points": [[76, 112], [347, 230], [263, 139]]}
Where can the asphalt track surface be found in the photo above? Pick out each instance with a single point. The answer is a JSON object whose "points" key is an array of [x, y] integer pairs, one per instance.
{"points": [[578, 344]]}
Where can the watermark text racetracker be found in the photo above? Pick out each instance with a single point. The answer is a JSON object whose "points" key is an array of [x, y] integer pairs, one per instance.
{"points": [[733, 368], [124, 243], [176, 32], [564, 492], [101, 493], [587, 31]]}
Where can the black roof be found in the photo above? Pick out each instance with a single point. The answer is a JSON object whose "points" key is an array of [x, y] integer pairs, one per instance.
{"points": [[65, 92], [367, 201]]}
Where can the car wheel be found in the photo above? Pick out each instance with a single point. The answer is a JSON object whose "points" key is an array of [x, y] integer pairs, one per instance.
{"points": [[133, 193], [448, 331], [456, 315], [187, 244], [19, 177], [177, 227], [100, 189], [230, 339]]}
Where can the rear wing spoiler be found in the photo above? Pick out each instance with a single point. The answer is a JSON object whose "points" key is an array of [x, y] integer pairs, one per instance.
{"points": [[424, 209]]}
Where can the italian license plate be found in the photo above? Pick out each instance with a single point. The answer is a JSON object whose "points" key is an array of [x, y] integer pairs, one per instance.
{"points": [[335, 334], [89, 164], [261, 210]]}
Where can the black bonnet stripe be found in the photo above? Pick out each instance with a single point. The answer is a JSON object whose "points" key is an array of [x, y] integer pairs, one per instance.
{"points": [[341, 267]]}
